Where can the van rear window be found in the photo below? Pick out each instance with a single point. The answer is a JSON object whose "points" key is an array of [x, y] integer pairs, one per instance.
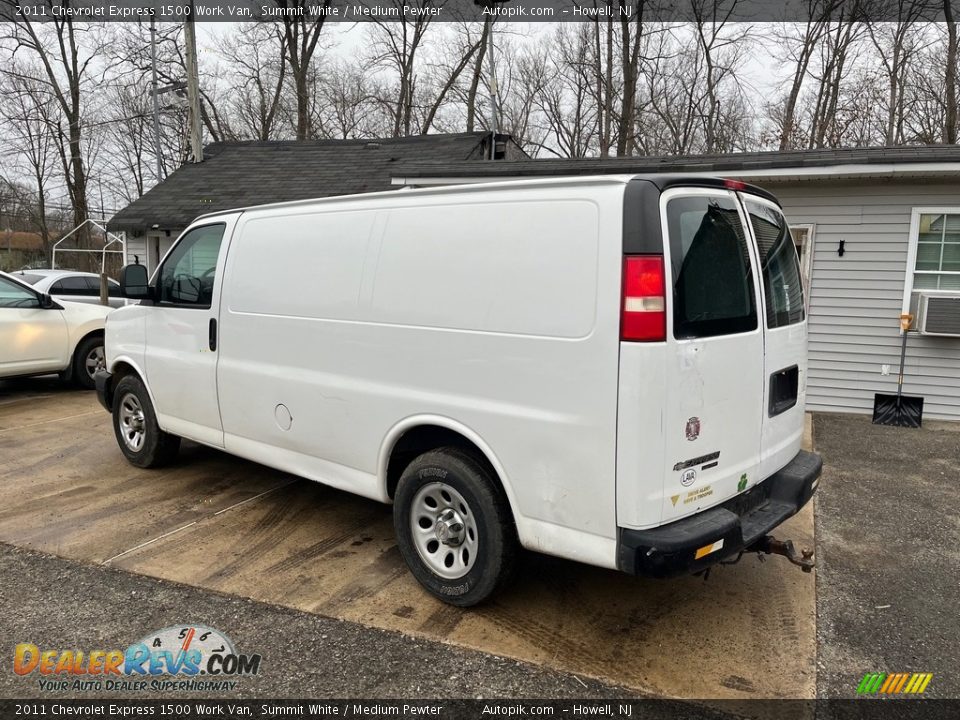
{"points": [[712, 275], [782, 286]]}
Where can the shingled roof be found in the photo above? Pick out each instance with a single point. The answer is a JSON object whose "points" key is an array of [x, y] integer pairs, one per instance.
{"points": [[239, 174], [856, 162]]}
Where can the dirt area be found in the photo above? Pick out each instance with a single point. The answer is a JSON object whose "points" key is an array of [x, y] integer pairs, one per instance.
{"points": [[222, 524]]}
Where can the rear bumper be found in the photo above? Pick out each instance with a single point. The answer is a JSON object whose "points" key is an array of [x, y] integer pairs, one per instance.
{"points": [[104, 384], [723, 531]]}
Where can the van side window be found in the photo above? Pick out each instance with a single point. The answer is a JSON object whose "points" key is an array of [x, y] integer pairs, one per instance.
{"points": [[782, 283], [187, 275], [712, 275]]}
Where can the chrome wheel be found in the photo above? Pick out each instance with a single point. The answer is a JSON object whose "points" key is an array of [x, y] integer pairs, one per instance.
{"points": [[132, 427], [94, 361], [444, 530]]}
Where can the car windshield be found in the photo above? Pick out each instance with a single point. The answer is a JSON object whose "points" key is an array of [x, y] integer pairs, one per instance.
{"points": [[29, 278]]}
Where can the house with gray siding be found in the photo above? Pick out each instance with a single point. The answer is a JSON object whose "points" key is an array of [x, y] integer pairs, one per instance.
{"points": [[878, 233]]}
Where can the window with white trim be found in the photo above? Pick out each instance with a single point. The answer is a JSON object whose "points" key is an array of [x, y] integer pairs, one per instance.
{"points": [[803, 239], [937, 260]]}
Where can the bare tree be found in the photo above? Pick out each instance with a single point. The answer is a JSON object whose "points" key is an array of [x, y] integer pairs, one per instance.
{"points": [[66, 70], [460, 51], [257, 60], [896, 45], [395, 44], [30, 144], [720, 52], [801, 47], [301, 37], [349, 101], [838, 47], [565, 98], [522, 75]]}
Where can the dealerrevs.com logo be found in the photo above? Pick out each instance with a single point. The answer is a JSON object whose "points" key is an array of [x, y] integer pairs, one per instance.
{"points": [[185, 657]]}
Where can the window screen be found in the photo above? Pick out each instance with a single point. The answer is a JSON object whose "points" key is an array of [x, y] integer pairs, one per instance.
{"points": [[712, 276], [782, 284]]}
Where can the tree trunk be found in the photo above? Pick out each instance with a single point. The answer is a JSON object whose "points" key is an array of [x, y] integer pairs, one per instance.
{"points": [[475, 80]]}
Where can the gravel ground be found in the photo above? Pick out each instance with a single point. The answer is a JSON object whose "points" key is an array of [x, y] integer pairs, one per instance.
{"points": [[888, 547], [61, 604]]}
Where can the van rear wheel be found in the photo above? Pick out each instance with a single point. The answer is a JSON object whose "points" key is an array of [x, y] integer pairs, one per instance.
{"points": [[135, 424], [454, 527]]}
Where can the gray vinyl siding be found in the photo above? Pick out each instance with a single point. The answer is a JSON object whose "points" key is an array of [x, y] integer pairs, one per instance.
{"points": [[855, 300]]}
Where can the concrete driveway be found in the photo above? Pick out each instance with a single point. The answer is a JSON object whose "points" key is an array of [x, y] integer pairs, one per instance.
{"points": [[216, 522]]}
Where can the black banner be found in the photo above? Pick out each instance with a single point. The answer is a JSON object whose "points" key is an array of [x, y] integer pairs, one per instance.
{"points": [[860, 709], [461, 10]]}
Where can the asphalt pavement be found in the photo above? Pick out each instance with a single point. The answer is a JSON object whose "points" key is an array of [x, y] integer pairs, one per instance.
{"points": [[888, 554]]}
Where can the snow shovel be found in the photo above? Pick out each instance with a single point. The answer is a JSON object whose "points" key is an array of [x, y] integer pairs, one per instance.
{"points": [[899, 410]]}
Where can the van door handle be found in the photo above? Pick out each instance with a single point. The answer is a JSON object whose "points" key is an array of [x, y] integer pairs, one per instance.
{"points": [[213, 334]]}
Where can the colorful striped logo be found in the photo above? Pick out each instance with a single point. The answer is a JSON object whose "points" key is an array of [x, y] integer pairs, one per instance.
{"points": [[894, 683]]}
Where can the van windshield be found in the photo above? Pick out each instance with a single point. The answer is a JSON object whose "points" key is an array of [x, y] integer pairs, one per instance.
{"points": [[782, 286], [712, 275]]}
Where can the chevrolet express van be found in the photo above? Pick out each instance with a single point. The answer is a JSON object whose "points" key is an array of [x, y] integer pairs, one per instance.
{"points": [[607, 369]]}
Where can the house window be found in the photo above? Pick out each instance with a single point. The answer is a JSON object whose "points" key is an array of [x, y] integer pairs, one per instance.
{"points": [[933, 259], [803, 240], [937, 262]]}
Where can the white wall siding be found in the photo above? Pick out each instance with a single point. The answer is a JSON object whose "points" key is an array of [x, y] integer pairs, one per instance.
{"points": [[855, 300], [136, 247]]}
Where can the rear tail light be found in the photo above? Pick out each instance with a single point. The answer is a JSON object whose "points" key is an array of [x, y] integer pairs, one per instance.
{"points": [[643, 312]]}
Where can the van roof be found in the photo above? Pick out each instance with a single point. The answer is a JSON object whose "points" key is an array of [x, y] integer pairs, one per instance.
{"points": [[661, 181]]}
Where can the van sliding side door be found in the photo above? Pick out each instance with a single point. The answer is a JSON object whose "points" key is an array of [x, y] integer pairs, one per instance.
{"points": [[182, 334]]}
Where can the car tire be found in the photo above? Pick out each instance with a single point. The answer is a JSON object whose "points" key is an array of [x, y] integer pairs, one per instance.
{"points": [[135, 425], [454, 527], [88, 357]]}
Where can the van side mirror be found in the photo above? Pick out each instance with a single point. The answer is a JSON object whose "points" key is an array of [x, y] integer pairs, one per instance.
{"points": [[134, 283], [47, 302]]}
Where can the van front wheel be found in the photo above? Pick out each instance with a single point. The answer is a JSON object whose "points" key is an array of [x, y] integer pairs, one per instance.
{"points": [[454, 527], [135, 424]]}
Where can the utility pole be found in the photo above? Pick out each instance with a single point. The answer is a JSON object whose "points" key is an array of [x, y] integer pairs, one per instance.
{"points": [[493, 94], [193, 87], [491, 5], [156, 100]]}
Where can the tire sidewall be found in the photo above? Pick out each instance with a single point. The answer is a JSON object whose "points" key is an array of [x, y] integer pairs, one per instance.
{"points": [[83, 349], [475, 488], [131, 385]]}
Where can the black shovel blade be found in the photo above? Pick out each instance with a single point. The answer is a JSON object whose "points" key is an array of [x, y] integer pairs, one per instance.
{"points": [[903, 411]]}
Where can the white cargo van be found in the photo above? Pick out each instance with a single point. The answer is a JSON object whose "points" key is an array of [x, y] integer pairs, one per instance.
{"points": [[608, 369]]}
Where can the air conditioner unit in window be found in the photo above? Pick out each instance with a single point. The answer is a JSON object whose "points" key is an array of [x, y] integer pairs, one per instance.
{"points": [[940, 315]]}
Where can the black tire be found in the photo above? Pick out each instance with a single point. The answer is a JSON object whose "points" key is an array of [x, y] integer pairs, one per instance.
{"points": [[83, 355], [155, 447], [495, 546]]}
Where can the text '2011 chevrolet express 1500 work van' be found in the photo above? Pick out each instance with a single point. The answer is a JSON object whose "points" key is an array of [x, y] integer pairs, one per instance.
{"points": [[607, 369]]}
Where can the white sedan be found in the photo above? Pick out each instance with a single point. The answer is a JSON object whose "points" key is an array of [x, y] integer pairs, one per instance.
{"points": [[71, 285], [39, 335]]}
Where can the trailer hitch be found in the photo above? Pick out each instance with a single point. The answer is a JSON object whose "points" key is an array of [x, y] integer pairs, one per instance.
{"points": [[769, 545]]}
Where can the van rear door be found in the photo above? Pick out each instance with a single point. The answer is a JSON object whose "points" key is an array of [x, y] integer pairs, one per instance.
{"points": [[714, 370], [785, 334]]}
